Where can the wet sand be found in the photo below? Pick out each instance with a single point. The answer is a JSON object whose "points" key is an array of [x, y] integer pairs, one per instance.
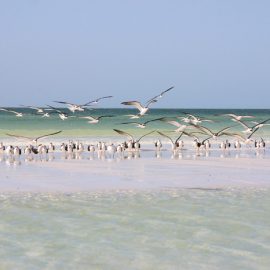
{"points": [[135, 174]]}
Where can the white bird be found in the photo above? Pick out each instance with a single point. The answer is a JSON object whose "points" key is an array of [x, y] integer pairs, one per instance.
{"points": [[38, 109], [249, 129], [236, 117], [62, 115], [175, 144], [247, 140], [214, 135], [17, 151], [17, 114], [33, 139], [95, 120], [158, 145], [134, 116], [179, 126], [2, 147], [144, 108], [141, 125], [80, 107], [193, 119]]}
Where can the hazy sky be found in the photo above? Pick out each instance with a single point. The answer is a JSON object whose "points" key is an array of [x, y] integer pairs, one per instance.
{"points": [[215, 53]]}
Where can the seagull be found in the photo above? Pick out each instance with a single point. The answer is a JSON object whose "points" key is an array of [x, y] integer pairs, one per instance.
{"points": [[214, 135], [246, 140], [80, 107], [252, 128], [174, 142], [95, 120], [33, 139], [204, 143], [37, 109], [179, 126], [63, 116], [17, 114], [161, 94], [193, 119], [141, 125], [134, 116], [236, 117], [144, 108], [95, 101], [130, 136]]}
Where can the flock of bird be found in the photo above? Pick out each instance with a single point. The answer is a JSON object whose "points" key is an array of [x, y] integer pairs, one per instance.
{"points": [[187, 124]]}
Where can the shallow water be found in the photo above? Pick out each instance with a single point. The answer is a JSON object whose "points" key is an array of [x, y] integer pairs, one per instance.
{"points": [[169, 229], [75, 127]]}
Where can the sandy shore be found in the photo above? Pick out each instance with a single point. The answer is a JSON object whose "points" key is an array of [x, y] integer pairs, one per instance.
{"points": [[143, 173]]}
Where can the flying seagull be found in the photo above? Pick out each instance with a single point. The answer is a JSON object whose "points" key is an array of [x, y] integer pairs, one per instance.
{"points": [[17, 114], [62, 115], [141, 125], [179, 126], [236, 117], [144, 108], [33, 139], [95, 120], [252, 128], [194, 119], [214, 135], [80, 107], [37, 109]]}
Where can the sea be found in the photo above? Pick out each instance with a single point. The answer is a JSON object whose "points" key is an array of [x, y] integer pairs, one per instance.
{"points": [[76, 127], [172, 228]]}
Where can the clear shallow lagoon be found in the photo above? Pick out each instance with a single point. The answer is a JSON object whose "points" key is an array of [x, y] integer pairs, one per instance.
{"points": [[169, 229]]}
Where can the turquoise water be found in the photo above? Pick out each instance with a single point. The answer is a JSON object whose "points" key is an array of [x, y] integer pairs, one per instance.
{"points": [[170, 229], [74, 126]]}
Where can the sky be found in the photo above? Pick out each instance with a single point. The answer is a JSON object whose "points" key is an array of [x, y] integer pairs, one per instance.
{"points": [[215, 53]]}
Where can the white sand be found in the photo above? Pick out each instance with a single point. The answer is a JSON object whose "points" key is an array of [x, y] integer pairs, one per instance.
{"points": [[143, 173]]}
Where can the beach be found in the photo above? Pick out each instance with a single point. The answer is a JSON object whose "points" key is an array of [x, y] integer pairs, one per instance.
{"points": [[138, 209], [61, 175]]}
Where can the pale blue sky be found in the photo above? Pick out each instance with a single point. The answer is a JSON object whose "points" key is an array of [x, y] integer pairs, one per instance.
{"points": [[215, 53]]}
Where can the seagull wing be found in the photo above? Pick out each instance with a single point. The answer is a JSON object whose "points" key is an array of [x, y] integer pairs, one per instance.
{"points": [[236, 135], [20, 137], [55, 109], [241, 123], [136, 104], [5, 110], [145, 135], [64, 102], [96, 100], [258, 124], [150, 102], [153, 120], [161, 94], [256, 129], [204, 129], [174, 123], [124, 133], [88, 117], [104, 116], [222, 130], [164, 135], [134, 123], [206, 139], [47, 135]]}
